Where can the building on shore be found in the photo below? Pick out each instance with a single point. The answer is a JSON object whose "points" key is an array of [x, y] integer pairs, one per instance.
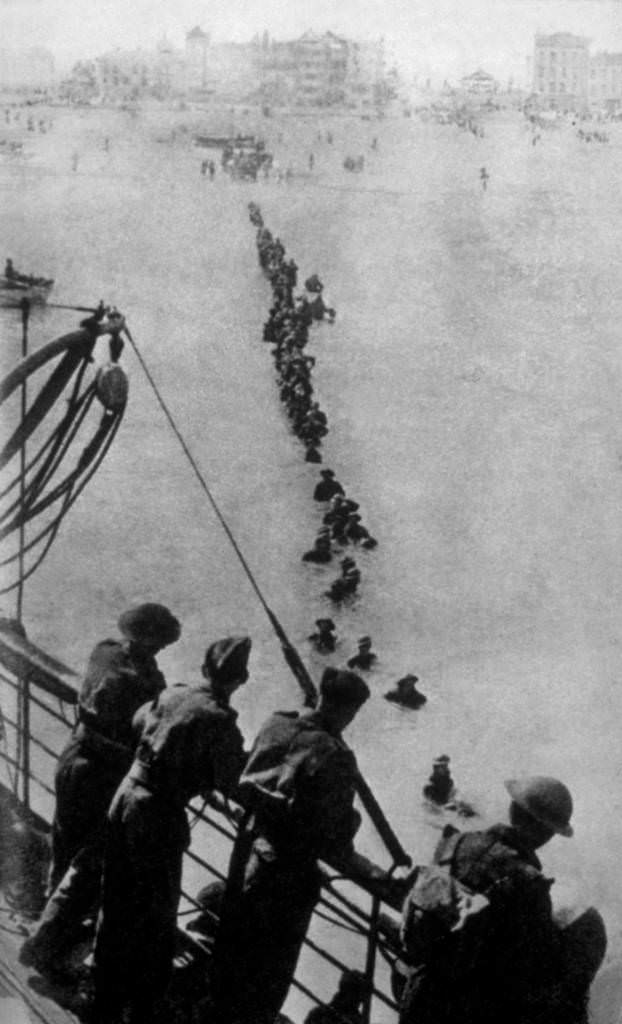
{"points": [[480, 83], [197, 58], [311, 71], [561, 70], [605, 83], [322, 71]]}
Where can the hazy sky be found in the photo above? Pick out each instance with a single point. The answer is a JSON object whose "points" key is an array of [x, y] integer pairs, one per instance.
{"points": [[451, 35]]}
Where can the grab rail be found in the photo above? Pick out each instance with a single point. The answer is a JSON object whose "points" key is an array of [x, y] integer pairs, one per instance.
{"points": [[30, 759]]}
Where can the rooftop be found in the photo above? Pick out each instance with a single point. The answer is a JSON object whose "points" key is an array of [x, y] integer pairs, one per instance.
{"points": [[562, 39], [604, 57]]}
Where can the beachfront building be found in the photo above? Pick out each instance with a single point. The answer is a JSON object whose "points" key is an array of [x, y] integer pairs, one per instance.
{"points": [[561, 71], [229, 70], [480, 83], [366, 73], [167, 72], [320, 70], [308, 71], [197, 58], [605, 85]]}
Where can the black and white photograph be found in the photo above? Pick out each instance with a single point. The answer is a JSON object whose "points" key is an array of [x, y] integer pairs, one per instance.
{"points": [[311, 512]]}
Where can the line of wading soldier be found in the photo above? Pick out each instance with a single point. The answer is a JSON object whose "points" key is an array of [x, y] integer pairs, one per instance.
{"points": [[141, 750], [287, 328]]}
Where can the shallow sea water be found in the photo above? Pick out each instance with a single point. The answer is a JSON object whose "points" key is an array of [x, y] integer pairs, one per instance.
{"points": [[471, 383]]}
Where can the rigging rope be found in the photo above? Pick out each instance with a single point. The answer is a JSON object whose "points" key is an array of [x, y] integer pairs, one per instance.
{"points": [[52, 528], [197, 471], [291, 654], [292, 657]]}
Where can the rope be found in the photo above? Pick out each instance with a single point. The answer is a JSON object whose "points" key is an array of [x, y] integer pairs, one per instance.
{"points": [[63, 436], [199, 475], [339, 924], [111, 430]]}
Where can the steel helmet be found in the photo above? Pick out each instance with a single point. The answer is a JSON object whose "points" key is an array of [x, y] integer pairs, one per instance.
{"points": [[545, 799], [152, 623]]}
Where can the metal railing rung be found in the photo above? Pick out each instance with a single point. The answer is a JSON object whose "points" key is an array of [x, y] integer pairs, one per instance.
{"points": [[202, 816], [51, 711], [325, 954], [204, 864], [40, 782], [10, 760], [7, 679], [222, 818], [352, 921]]}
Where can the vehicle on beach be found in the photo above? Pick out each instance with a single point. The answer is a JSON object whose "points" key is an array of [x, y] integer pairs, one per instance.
{"points": [[221, 141], [243, 160]]}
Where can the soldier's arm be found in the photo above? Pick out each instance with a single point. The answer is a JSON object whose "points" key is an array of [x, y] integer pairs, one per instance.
{"points": [[228, 759], [336, 817]]}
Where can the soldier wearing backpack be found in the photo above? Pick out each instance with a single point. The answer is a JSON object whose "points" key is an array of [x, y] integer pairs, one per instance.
{"points": [[478, 926], [298, 787]]}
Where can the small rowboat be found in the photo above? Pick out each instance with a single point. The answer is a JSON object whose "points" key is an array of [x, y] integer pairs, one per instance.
{"points": [[12, 289]]}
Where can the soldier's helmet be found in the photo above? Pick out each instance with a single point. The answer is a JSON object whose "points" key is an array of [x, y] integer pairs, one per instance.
{"points": [[227, 659], [150, 623], [546, 799], [341, 687]]}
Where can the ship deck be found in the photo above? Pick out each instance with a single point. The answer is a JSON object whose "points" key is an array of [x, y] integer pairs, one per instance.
{"points": [[26, 997]]}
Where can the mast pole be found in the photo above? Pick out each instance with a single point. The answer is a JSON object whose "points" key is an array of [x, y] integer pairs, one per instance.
{"points": [[23, 695], [25, 308]]}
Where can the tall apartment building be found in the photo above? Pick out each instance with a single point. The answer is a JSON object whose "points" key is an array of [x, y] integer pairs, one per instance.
{"points": [[320, 70], [561, 70], [196, 57], [605, 86], [322, 65]]}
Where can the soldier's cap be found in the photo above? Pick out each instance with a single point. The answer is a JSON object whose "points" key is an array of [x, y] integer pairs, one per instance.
{"points": [[546, 799], [327, 472], [408, 680], [324, 531], [347, 561], [365, 641], [342, 687], [328, 623], [227, 659], [441, 759], [152, 623]]}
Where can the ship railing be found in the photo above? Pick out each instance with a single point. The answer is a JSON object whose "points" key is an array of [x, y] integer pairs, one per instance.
{"points": [[354, 923]]}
